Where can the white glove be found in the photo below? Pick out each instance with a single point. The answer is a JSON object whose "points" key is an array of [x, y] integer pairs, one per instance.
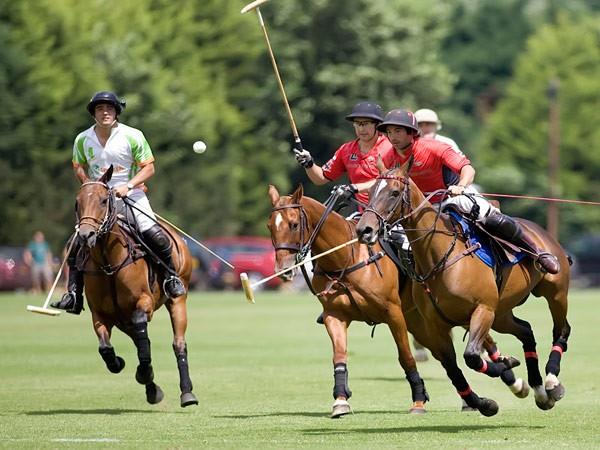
{"points": [[304, 158]]}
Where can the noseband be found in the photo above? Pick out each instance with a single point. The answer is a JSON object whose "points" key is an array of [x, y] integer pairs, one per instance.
{"points": [[101, 227]]}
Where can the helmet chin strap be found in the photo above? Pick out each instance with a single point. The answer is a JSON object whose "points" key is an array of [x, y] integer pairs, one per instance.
{"points": [[112, 124]]}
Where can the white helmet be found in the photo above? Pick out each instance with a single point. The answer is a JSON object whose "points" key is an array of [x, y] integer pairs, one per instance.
{"points": [[428, 115]]}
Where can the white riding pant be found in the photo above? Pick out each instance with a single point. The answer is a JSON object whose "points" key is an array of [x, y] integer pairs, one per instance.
{"points": [[142, 211], [465, 204]]}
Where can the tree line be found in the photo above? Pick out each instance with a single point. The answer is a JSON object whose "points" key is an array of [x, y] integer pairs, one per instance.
{"points": [[198, 69]]}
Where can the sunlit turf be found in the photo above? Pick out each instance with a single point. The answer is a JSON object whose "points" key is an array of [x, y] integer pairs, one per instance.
{"points": [[263, 376]]}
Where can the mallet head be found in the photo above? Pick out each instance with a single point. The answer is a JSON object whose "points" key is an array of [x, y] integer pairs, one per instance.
{"points": [[253, 5], [40, 310], [247, 287]]}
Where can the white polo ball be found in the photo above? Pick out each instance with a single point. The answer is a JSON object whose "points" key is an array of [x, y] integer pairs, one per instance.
{"points": [[199, 147]]}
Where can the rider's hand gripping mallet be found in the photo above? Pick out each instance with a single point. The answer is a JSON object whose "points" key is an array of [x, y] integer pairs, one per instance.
{"points": [[248, 288], [255, 6], [44, 309]]}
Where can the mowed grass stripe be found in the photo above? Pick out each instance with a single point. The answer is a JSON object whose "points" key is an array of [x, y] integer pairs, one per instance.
{"points": [[263, 376]]}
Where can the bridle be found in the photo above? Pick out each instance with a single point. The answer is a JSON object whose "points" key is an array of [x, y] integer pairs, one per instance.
{"points": [[402, 200], [101, 226], [294, 246]]}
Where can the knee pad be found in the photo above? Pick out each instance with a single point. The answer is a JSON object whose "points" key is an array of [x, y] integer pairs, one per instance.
{"points": [[158, 238], [504, 225]]}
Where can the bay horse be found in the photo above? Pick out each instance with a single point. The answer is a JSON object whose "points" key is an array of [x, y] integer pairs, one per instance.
{"points": [[457, 288], [123, 291], [354, 284]]}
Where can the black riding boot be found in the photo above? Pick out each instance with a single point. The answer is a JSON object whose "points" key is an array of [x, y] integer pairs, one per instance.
{"points": [[160, 244], [72, 300], [507, 228]]}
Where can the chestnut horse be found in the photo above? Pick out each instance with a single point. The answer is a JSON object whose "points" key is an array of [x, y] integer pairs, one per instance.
{"points": [[351, 290], [463, 290], [120, 291]]}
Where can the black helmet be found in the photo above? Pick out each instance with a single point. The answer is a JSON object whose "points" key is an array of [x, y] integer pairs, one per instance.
{"points": [[368, 110], [105, 97], [401, 118]]}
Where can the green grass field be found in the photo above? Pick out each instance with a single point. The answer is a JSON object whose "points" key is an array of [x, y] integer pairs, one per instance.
{"points": [[263, 376]]}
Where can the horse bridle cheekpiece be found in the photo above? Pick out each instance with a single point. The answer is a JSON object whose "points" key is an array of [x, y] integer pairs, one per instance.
{"points": [[303, 226], [110, 216], [402, 199]]}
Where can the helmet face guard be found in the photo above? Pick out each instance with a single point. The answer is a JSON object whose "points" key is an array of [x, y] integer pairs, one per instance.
{"points": [[400, 118], [106, 97], [366, 110]]}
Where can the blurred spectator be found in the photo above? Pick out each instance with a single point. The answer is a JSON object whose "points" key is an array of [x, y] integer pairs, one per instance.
{"points": [[38, 257]]}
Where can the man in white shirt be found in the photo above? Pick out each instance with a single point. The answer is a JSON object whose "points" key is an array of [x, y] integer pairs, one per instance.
{"points": [[110, 143], [429, 124]]}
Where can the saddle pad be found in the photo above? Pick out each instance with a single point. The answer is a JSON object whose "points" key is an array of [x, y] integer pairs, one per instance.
{"points": [[485, 253]]}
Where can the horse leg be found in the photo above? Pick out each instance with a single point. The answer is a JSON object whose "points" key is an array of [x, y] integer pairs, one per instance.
{"points": [[479, 327], [113, 362], [441, 347], [516, 385], [560, 335], [178, 313], [338, 333], [144, 373], [399, 331]]}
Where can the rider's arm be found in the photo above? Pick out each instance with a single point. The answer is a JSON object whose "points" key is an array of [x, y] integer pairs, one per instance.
{"points": [[80, 173], [143, 175], [365, 186], [467, 176], [315, 174]]}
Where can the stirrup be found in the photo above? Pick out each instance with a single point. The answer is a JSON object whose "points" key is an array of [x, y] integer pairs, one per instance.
{"points": [[173, 287]]}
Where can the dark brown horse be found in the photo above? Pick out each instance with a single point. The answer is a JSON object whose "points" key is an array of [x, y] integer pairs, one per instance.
{"points": [[463, 290], [351, 290], [122, 290]]}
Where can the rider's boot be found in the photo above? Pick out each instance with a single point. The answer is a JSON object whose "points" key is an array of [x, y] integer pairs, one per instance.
{"points": [[159, 243], [72, 300], [508, 228]]}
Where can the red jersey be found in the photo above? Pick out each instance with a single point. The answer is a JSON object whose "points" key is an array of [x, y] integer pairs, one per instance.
{"points": [[436, 165], [360, 168]]}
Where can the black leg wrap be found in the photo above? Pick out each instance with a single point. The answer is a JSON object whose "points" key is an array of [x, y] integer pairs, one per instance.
{"points": [[142, 342], [553, 364], [508, 377], [112, 361], [340, 376], [417, 386], [185, 383]]}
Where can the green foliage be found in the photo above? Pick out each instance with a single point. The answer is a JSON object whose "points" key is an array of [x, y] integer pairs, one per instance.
{"points": [[515, 142]]}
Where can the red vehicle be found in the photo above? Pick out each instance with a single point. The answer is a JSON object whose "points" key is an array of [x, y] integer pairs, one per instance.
{"points": [[14, 273], [251, 254]]}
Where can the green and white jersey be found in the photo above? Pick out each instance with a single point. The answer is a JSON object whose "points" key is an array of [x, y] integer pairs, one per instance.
{"points": [[126, 149]]}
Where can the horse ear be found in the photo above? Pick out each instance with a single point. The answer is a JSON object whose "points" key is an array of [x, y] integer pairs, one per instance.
{"points": [[407, 166], [273, 195], [297, 195], [105, 178], [381, 165]]}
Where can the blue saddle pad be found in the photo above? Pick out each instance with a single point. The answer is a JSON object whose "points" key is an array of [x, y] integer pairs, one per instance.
{"points": [[485, 252]]}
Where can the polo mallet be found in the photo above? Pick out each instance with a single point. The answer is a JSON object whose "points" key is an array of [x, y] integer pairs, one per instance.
{"points": [[231, 266], [255, 6], [248, 288], [44, 309]]}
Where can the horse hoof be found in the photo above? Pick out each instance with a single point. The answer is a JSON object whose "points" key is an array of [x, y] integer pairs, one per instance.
{"points": [[545, 405], [118, 367], [520, 388], [154, 393], [511, 362], [488, 407], [466, 408], [144, 375], [557, 393], [340, 408], [541, 398], [188, 399]]}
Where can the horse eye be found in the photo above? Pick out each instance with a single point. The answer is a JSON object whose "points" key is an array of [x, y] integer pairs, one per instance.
{"points": [[294, 226], [104, 201], [395, 193]]}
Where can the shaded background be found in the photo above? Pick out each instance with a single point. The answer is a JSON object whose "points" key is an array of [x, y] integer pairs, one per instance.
{"points": [[199, 69]]}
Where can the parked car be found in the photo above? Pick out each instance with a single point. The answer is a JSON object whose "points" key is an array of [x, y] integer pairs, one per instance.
{"points": [[585, 251], [14, 273], [251, 254]]}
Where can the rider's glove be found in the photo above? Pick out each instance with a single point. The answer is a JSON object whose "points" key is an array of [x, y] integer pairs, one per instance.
{"points": [[304, 158], [346, 191]]}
